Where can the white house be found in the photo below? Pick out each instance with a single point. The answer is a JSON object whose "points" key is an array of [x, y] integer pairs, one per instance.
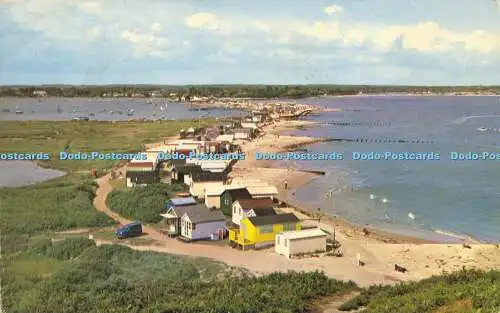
{"points": [[202, 224], [244, 208], [291, 243]]}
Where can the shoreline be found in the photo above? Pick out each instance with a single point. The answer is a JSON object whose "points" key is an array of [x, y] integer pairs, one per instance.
{"points": [[296, 178]]}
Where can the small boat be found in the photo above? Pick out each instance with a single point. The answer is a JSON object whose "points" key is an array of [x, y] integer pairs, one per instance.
{"points": [[91, 114], [130, 112], [372, 196], [385, 200], [81, 118], [482, 129], [6, 110], [411, 216], [19, 112]]}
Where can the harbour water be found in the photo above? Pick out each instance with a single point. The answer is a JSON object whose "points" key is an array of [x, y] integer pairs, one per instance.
{"points": [[21, 173], [423, 198], [55, 109]]}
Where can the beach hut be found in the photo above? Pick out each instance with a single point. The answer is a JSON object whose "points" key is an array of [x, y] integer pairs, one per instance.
{"points": [[172, 218], [178, 202], [301, 242], [180, 171], [262, 191], [244, 208], [260, 231], [243, 133], [228, 196], [201, 224]]}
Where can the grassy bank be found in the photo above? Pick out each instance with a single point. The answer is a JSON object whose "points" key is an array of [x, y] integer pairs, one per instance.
{"points": [[54, 137], [460, 292], [142, 204], [76, 276]]}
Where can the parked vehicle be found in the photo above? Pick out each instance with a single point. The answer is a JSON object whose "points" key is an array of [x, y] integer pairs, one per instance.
{"points": [[133, 229]]}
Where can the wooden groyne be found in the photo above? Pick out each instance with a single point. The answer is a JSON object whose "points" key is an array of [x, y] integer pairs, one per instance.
{"points": [[381, 140], [312, 172], [355, 123]]}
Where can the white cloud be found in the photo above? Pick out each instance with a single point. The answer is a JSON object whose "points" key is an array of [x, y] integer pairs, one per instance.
{"points": [[156, 27], [164, 29], [203, 20], [90, 7], [332, 9], [94, 33]]}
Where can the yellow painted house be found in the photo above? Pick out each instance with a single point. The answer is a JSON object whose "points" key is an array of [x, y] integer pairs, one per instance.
{"points": [[257, 231]]}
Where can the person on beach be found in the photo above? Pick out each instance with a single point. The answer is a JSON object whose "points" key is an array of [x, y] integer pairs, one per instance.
{"points": [[358, 257], [285, 185]]}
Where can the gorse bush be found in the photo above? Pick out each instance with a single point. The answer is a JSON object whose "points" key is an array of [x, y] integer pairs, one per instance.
{"points": [[56, 205], [114, 278], [142, 203], [461, 291]]}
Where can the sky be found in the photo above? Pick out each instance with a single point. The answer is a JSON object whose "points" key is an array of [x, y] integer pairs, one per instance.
{"points": [[393, 42]]}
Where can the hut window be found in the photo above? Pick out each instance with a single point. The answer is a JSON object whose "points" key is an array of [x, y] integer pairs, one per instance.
{"points": [[278, 239], [266, 229], [289, 227], [286, 242]]}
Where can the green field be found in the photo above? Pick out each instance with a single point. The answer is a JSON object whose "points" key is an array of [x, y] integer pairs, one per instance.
{"points": [[90, 136]]}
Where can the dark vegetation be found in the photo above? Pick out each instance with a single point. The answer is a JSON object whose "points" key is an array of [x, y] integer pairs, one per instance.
{"points": [[465, 291], [239, 91], [55, 205], [112, 278], [144, 203]]}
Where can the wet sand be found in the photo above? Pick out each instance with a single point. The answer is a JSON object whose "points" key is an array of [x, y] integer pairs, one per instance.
{"points": [[379, 250]]}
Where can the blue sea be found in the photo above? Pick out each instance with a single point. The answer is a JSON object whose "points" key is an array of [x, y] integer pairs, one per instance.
{"points": [[455, 198]]}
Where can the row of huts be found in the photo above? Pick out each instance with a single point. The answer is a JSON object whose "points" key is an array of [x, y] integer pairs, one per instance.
{"points": [[244, 211]]}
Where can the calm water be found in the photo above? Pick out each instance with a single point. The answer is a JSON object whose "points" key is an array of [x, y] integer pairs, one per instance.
{"points": [[20, 173], [99, 109], [455, 197]]}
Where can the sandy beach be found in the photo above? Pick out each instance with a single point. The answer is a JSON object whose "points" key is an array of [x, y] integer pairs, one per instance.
{"points": [[379, 250]]}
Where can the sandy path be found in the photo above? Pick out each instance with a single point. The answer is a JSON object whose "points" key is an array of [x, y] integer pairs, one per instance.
{"points": [[422, 260], [339, 268]]}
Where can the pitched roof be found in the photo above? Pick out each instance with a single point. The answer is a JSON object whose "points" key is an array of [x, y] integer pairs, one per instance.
{"points": [[179, 211], [205, 215], [262, 190], [273, 219], [248, 204], [208, 176], [187, 168], [182, 201], [237, 194], [264, 211]]}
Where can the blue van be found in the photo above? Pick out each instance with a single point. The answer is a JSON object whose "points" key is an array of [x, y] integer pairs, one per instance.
{"points": [[133, 229]]}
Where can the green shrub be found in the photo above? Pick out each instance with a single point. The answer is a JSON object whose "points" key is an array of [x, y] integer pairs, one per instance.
{"points": [[142, 203], [482, 289], [69, 248]]}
